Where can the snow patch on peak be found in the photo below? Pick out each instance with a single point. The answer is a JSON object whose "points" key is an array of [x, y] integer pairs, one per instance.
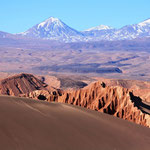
{"points": [[52, 19], [144, 23], [100, 27], [49, 21]]}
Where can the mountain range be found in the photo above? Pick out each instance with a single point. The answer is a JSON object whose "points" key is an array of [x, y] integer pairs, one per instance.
{"points": [[55, 29]]}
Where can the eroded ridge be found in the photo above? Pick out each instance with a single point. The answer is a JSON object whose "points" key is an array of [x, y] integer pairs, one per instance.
{"points": [[20, 84], [111, 100]]}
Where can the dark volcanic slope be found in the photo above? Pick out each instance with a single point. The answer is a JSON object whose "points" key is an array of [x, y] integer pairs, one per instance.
{"points": [[35, 125]]}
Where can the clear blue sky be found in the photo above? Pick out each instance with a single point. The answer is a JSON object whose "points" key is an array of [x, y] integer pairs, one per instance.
{"points": [[19, 15]]}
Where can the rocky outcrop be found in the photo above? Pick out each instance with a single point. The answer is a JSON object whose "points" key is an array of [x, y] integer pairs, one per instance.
{"points": [[139, 88], [48, 95], [111, 100], [20, 84]]}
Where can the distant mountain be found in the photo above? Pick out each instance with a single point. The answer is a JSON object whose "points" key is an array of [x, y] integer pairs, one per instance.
{"points": [[5, 35], [133, 31], [54, 29], [128, 32], [100, 27], [98, 33]]}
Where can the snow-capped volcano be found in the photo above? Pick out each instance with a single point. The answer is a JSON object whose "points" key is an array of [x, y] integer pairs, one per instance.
{"points": [[52, 28], [100, 27]]}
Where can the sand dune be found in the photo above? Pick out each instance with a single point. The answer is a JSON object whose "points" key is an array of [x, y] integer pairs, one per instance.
{"points": [[27, 124]]}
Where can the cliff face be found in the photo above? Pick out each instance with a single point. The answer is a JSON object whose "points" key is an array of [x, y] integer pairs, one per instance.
{"points": [[20, 84], [139, 88], [116, 101]]}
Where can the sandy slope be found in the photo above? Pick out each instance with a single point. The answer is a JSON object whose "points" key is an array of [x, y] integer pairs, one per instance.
{"points": [[37, 125]]}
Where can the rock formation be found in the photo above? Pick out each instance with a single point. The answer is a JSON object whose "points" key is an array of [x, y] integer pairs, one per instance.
{"points": [[20, 84], [48, 95], [139, 88], [114, 100]]}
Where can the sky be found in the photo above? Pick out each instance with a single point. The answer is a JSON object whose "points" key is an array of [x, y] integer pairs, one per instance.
{"points": [[19, 15]]}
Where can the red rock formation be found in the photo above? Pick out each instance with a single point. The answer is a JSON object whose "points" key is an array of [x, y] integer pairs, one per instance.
{"points": [[112, 100], [139, 88], [48, 95], [20, 84]]}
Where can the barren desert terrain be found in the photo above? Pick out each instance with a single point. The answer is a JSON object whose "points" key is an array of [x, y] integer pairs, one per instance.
{"points": [[101, 59]]}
